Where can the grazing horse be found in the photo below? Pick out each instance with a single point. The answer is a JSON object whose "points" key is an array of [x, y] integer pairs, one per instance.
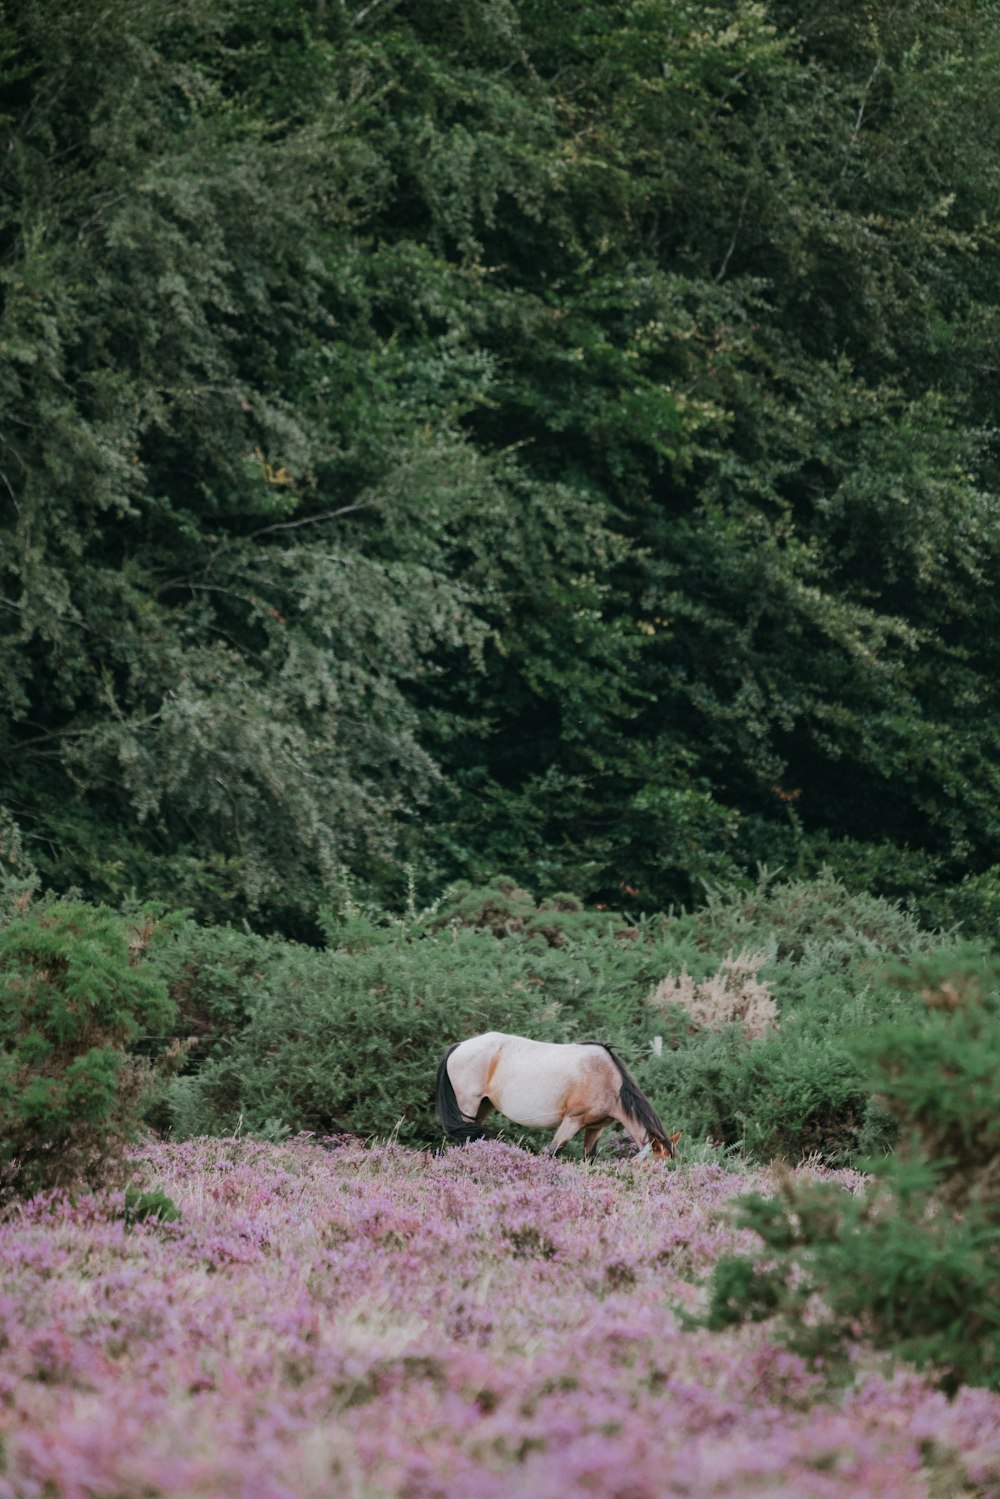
{"points": [[543, 1085]]}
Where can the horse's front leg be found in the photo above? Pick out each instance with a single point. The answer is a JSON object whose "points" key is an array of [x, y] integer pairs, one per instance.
{"points": [[636, 1132], [591, 1136], [570, 1126]]}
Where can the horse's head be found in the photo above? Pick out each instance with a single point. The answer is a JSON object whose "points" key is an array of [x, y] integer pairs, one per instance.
{"points": [[663, 1149]]}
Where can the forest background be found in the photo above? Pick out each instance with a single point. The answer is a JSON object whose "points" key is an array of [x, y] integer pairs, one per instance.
{"points": [[550, 438]]}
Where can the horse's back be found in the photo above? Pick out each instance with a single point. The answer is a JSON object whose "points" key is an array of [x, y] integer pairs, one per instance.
{"points": [[522, 1052], [475, 1048]]}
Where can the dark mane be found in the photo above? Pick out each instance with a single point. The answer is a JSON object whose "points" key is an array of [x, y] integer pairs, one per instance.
{"points": [[633, 1100]]}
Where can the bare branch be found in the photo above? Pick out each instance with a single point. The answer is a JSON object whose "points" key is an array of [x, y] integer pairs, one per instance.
{"points": [[720, 273], [859, 118], [309, 520], [87, 733], [363, 15]]}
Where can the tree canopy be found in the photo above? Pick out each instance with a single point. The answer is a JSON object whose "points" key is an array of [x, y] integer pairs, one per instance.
{"points": [[541, 436]]}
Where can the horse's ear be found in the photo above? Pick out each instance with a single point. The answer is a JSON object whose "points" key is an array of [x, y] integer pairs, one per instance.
{"points": [[675, 1138]]}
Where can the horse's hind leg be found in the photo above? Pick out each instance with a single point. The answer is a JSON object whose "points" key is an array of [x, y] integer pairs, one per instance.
{"points": [[474, 1108]]}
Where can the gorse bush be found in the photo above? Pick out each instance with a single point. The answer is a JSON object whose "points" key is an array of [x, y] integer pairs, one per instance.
{"points": [[792, 1094], [914, 1263], [75, 991], [798, 1087], [348, 1039], [215, 975], [504, 909], [937, 1075], [809, 918], [140, 1207]]}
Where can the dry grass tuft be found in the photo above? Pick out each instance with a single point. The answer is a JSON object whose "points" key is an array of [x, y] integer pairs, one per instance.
{"points": [[734, 995]]}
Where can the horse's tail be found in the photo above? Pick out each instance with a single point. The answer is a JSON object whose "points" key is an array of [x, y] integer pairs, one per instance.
{"points": [[456, 1125], [635, 1103]]}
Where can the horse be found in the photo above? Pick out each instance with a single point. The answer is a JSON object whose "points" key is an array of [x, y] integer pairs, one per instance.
{"points": [[545, 1085]]}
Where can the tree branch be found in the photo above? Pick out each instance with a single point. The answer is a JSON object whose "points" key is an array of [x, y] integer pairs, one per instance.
{"points": [[736, 234], [309, 520], [363, 15]]}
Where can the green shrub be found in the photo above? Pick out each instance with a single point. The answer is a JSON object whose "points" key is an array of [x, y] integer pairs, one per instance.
{"points": [[140, 1206], [791, 1094], [350, 1038], [292, 1038], [504, 909], [214, 976], [973, 905], [350, 1041], [809, 918], [75, 992], [937, 1072], [912, 1264], [803, 1088]]}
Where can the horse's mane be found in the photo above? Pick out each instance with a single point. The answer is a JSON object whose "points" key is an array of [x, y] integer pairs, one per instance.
{"points": [[633, 1100]]}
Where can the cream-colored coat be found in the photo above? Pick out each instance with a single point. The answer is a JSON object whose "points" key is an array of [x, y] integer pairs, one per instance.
{"points": [[544, 1085]]}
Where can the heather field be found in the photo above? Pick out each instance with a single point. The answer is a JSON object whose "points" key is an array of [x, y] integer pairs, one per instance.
{"points": [[326, 1319]]}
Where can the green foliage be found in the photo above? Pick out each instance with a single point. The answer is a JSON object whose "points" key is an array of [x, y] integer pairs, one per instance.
{"points": [[349, 1041], [802, 1089], [140, 1206], [505, 910], [937, 1075], [798, 1093], [973, 905], [912, 1262], [291, 1038], [547, 438], [213, 975], [810, 921], [75, 993], [234, 654]]}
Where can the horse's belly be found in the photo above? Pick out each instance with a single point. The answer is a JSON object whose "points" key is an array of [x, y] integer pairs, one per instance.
{"points": [[522, 1107], [534, 1097]]}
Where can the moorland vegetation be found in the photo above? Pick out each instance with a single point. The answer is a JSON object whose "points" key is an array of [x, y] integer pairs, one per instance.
{"points": [[500, 508], [788, 1022], [323, 1319]]}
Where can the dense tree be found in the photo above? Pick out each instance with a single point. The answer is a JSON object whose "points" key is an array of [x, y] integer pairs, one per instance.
{"points": [[540, 436]]}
